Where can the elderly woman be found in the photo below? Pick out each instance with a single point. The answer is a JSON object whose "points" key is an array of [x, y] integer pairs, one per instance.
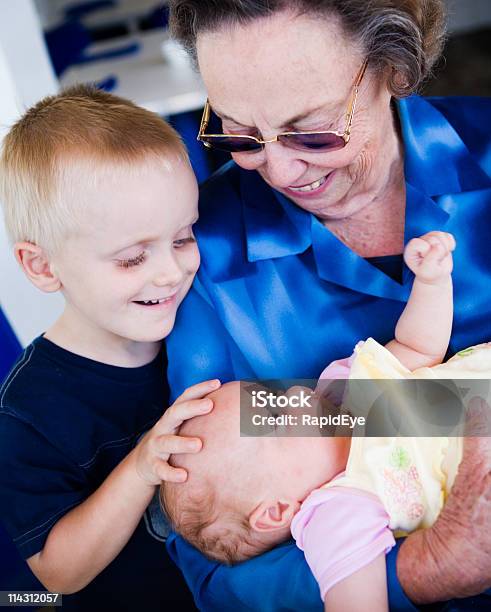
{"points": [[335, 167]]}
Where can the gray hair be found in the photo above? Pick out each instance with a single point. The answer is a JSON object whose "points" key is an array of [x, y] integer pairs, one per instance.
{"points": [[402, 38]]}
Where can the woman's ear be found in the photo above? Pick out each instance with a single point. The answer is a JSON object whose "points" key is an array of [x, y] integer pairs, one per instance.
{"points": [[273, 515], [36, 266]]}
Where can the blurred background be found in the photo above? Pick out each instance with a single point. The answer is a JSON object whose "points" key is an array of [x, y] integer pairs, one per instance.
{"points": [[123, 46]]}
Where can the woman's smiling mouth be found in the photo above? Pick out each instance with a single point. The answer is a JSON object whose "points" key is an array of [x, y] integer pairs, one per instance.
{"points": [[313, 188]]}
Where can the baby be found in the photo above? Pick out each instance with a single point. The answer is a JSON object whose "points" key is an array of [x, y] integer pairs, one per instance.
{"points": [[237, 504]]}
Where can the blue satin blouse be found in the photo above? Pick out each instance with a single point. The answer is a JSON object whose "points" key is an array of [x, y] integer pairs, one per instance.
{"points": [[279, 296]]}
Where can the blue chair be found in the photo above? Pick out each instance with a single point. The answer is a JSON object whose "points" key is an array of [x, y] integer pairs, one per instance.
{"points": [[156, 19], [81, 9], [68, 42], [10, 347]]}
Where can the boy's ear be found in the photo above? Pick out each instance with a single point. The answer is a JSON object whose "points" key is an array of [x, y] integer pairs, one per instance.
{"points": [[35, 264], [272, 515]]}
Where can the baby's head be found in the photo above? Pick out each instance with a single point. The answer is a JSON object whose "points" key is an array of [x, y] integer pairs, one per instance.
{"points": [[99, 201], [242, 492]]}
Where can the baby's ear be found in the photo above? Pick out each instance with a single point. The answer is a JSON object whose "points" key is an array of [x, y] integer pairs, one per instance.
{"points": [[272, 515], [36, 266]]}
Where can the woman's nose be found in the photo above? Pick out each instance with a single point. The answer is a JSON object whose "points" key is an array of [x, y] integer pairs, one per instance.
{"points": [[282, 166]]}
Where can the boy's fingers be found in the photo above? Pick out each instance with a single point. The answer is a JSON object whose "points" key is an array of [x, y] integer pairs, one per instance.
{"points": [[175, 416], [171, 444], [199, 390], [167, 473]]}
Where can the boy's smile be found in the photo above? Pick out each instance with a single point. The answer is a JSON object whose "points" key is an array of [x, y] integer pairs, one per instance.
{"points": [[158, 302], [131, 261]]}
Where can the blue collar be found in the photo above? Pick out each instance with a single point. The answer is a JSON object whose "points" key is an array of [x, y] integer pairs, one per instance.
{"points": [[437, 162]]}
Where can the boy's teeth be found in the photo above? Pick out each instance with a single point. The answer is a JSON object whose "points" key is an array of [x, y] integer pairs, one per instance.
{"points": [[312, 186], [153, 302]]}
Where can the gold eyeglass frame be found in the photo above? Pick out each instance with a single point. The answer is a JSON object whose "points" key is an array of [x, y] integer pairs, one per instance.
{"points": [[205, 119]]}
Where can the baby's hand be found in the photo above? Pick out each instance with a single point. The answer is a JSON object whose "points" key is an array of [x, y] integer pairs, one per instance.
{"points": [[153, 451], [430, 257]]}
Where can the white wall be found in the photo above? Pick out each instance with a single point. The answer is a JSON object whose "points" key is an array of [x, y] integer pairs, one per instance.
{"points": [[25, 77]]}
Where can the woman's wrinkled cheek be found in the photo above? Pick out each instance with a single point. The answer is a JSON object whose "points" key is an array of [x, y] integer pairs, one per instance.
{"points": [[361, 166]]}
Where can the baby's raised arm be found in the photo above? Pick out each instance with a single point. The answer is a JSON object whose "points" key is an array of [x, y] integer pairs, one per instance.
{"points": [[423, 330]]}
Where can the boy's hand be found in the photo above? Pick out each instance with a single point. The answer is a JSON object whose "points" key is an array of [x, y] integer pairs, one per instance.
{"points": [[153, 451], [430, 257]]}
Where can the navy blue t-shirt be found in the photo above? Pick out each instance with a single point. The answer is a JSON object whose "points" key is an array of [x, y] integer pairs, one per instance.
{"points": [[65, 423]]}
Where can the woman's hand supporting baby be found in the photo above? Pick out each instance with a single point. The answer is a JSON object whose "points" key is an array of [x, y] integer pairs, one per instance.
{"points": [[452, 559]]}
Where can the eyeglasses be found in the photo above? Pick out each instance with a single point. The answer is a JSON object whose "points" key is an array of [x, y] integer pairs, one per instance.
{"points": [[301, 141]]}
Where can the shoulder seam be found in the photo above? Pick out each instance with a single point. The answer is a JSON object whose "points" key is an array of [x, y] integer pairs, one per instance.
{"points": [[17, 369], [11, 412]]}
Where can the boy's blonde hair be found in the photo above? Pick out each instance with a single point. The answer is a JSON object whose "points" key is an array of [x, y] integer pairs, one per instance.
{"points": [[80, 123]]}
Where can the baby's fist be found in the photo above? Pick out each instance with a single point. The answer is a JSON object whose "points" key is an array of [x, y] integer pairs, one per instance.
{"points": [[430, 256]]}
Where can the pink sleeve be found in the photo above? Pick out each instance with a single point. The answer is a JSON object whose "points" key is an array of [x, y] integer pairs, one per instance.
{"points": [[337, 369], [332, 381], [340, 531], [340, 368]]}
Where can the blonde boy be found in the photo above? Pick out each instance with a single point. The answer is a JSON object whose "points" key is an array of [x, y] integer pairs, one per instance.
{"points": [[99, 201]]}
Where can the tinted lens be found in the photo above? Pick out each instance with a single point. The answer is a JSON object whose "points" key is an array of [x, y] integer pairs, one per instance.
{"points": [[313, 142], [230, 144]]}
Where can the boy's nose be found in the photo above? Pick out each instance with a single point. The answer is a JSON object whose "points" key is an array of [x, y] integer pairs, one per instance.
{"points": [[170, 274]]}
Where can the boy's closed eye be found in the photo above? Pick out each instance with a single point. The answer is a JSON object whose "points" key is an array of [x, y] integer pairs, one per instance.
{"points": [[137, 254], [132, 261]]}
